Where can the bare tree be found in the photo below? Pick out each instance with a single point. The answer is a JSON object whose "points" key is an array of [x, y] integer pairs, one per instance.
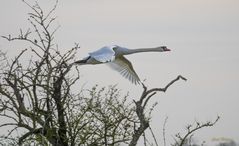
{"points": [[184, 140], [141, 105], [38, 99], [34, 96]]}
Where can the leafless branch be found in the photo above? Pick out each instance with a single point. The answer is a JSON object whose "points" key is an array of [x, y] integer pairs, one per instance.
{"points": [[39, 99], [192, 129], [147, 94], [155, 140], [164, 131], [140, 107]]}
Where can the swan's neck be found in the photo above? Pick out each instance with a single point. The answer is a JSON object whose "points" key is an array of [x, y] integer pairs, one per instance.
{"points": [[132, 51]]}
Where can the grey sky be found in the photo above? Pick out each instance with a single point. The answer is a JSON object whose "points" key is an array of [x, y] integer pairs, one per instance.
{"points": [[203, 36]]}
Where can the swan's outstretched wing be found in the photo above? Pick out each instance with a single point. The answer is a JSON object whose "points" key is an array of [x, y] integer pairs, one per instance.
{"points": [[124, 66], [105, 54]]}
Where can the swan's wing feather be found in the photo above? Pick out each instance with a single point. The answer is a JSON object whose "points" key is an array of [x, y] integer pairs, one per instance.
{"points": [[124, 66], [105, 54]]}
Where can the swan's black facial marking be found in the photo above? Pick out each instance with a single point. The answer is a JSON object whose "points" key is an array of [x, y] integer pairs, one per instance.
{"points": [[165, 48]]}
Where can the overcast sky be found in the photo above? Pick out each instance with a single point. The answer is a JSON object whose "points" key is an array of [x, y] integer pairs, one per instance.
{"points": [[202, 34]]}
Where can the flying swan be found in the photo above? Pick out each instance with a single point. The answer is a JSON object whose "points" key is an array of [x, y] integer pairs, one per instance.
{"points": [[114, 57]]}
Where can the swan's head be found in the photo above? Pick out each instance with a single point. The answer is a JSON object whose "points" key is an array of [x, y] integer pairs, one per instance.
{"points": [[164, 48]]}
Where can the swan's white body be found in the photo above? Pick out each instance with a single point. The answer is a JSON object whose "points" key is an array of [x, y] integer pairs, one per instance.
{"points": [[114, 57]]}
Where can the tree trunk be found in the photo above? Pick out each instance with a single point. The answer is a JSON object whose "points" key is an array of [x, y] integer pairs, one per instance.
{"points": [[63, 140]]}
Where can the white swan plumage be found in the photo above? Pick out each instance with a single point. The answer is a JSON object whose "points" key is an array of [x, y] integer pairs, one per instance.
{"points": [[114, 57]]}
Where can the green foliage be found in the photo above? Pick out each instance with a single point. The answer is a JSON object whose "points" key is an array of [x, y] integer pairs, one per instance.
{"points": [[38, 97], [100, 116]]}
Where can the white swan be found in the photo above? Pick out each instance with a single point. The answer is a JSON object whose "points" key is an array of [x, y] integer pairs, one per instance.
{"points": [[114, 57]]}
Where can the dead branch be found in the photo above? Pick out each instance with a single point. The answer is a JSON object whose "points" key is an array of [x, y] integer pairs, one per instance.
{"points": [[141, 105], [192, 129]]}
